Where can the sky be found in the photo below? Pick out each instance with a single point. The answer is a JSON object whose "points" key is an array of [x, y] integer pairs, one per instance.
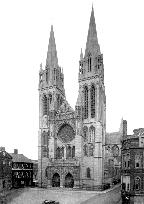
{"points": [[24, 36]]}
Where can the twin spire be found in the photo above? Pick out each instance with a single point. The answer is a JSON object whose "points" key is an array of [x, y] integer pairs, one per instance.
{"points": [[92, 45]]}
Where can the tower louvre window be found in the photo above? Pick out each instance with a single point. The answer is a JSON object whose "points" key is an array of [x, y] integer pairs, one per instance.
{"points": [[92, 101], [86, 102]]}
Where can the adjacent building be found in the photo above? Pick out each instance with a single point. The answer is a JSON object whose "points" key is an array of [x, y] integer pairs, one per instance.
{"points": [[22, 170], [72, 144], [5, 170], [132, 172]]}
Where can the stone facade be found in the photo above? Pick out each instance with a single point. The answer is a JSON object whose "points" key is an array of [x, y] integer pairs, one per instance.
{"points": [[5, 170], [71, 142], [132, 173]]}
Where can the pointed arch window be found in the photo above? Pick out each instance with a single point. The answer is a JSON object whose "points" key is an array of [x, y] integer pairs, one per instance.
{"points": [[85, 133], [137, 183], [50, 98], [69, 152], [85, 150], [91, 134], [62, 152], [58, 153], [86, 102], [88, 173], [92, 101], [46, 76], [44, 107], [89, 63], [45, 138], [73, 151]]}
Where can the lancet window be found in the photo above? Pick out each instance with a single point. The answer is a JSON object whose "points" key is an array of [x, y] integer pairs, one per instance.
{"points": [[86, 102], [85, 150], [85, 133], [91, 134], [44, 102], [137, 183], [92, 101], [88, 173], [89, 63]]}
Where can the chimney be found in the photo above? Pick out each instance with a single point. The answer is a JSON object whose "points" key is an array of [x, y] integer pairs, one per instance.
{"points": [[15, 151], [2, 149]]}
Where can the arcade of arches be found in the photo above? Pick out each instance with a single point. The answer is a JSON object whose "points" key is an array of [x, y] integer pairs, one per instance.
{"points": [[64, 175], [68, 181]]}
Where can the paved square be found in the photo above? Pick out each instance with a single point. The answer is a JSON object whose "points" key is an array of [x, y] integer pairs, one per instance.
{"points": [[64, 196]]}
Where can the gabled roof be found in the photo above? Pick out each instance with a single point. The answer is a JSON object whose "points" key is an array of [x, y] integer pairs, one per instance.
{"points": [[5, 154], [65, 108], [20, 158]]}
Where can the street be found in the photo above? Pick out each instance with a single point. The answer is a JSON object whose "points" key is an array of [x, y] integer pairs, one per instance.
{"points": [[64, 196]]}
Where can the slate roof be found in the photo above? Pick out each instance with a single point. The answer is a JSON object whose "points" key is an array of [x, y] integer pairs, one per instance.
{"points": [[113, 138], [20, 158]]}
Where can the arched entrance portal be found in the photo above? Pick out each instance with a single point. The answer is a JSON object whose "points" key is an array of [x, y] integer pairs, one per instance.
{"points": [[69, 181], [56, 180]]}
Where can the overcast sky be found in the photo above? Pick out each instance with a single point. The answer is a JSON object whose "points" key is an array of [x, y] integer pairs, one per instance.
{"points": [[24, 36]]}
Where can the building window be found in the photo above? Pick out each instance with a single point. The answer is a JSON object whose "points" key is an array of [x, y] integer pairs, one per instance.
{"points": [[44, 102], [126, 161], [45, 151], [73, 151], [137, 161], [137, 183], [88, 173], [85, 150], [89, 63], [86, 102], [92, 101], [85, 133], [58, 153], [69, 152], [62, 152], [128, 187], [91, 150], [50, 98], [46, 76], [91, 134]]}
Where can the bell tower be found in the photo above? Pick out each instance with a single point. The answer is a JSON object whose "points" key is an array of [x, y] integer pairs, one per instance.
{"points": [[92, 103], [51, 96]]}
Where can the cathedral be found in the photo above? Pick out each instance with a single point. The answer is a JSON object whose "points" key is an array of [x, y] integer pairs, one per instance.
{"points": [[74, 150]]}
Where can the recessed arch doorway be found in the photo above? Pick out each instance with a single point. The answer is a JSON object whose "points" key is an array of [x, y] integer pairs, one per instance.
{"points": [[69, 181], [56, 180]]}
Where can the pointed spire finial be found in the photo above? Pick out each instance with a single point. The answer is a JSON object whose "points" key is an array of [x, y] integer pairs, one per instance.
{"points": [[92, 41], [52, 60]]}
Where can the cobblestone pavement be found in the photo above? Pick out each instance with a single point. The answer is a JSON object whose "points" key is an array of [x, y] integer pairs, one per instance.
{"points": [[38, 195]]}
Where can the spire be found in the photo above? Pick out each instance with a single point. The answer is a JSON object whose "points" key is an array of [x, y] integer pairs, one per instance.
{"points": [[52, 60], [92, 41]]}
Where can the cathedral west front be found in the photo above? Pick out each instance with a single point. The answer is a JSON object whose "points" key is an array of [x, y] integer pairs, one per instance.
{"points": [[74, 149]]}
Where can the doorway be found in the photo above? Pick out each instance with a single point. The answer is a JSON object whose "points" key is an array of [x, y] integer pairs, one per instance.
{"points": [[56, 180], [69, 181]]}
